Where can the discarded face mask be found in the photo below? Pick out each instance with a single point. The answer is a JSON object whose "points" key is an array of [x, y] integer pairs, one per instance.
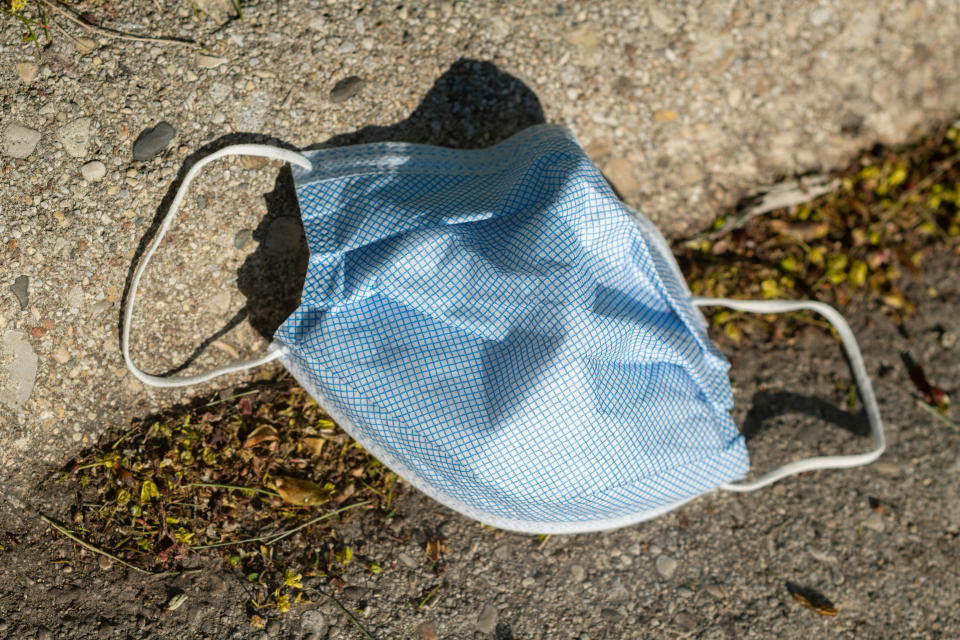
{"points": [[506, 335]]}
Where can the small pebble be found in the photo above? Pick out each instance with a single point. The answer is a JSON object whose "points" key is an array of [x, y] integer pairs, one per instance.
{"points": [[610, 615], [21, 289], [93, 171], [487, 620], [84, 46], [685, 623], [27, 71], [354, 593], [666, 566], [346, 89], [690, 173], [243, 238], [875, 522], [428, 631], [664, 116], [620, 173], [660, 19], [19, 141], [819, 16], [716, 590], [210, 62], [75, 297], [313, 622], [152, 141], [75, 136]]}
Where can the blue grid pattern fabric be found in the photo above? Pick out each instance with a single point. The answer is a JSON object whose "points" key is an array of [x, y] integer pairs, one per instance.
{"points": [[506, 335]]}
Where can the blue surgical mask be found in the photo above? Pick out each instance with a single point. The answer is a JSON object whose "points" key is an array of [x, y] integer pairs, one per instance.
{"points": [[506, 335]]}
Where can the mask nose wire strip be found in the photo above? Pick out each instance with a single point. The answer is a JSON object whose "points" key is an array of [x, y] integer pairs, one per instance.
{"points": [[859, 374], [273, 353]]}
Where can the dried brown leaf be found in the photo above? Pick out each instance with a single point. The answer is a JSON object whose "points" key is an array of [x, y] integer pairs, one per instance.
{"points": [[436, 548], [803, 231], [811, 599], [932, 395], [314, 445], [301, 492], [260, 435]]}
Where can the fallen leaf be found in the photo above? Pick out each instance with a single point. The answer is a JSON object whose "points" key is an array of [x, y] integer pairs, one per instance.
{"points": [[804, 231], [126, 477], [314, 445], [345, 556], [148, 491], [931, 394], [811, 599], [303, 492], [261, 434], [436, 548], [347, 493], [176, 601]]}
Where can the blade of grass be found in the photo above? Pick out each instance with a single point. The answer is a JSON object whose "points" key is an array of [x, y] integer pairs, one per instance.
{"points": [[275, 537], [352, 618], [113, 33], [212, 485], [234, 397], [936, 414], [86, 545], [429, 595]]}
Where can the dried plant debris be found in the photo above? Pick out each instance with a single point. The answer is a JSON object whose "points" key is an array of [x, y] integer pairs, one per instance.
{"points": [[930, 394], [856, 245], [256, 478], [812, 599]]}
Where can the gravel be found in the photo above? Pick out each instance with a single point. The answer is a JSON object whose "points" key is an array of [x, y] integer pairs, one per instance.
{"points": [[27, 71], [18, 372], [620, 173], [346, 89], [93, 171], [313, 622], [487, 620], [152, 141], [666, 566], [75, 137], [428, 631], [21, 289], [19, 141], [242, 238]]}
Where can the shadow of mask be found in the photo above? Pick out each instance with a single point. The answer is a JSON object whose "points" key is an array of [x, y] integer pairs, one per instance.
{"points": [[767, 405], [473, 105]]}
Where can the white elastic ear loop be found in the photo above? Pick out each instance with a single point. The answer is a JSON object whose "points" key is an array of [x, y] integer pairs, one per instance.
{"points": [[859, 374], [273, 353]]}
